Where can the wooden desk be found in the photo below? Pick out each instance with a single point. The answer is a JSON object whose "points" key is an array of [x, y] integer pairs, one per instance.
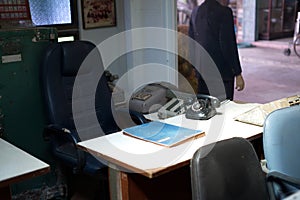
{"points": [[142, 169], [17, 165]]}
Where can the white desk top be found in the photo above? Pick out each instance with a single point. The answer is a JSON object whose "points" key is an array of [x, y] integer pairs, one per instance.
{"points": [[150, 159], [16, 164]]}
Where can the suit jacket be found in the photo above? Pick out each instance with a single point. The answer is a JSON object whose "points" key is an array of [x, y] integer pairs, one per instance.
{"points": [[212, 26]]}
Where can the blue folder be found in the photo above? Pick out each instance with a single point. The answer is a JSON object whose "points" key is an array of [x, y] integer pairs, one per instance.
{"points": [[162, 133]]}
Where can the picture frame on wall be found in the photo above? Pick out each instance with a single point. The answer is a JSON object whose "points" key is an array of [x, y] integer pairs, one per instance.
{"points": [[98, 13]]}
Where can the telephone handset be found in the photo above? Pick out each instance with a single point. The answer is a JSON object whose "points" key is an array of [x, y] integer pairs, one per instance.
{"points": [[204, 107]]}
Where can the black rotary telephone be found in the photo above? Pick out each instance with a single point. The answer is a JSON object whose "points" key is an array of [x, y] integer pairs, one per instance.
{"points": [[203, 107]]}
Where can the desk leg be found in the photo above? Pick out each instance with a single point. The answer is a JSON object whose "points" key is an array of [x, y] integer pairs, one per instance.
{"points": [[118, 185], [122, 187], [5, 193]]}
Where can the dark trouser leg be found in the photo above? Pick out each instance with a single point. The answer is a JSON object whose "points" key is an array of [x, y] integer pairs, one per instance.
{"points": [[228, 86]]}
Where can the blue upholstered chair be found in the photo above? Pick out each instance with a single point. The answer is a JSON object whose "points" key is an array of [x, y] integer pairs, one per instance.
{"points": [[281, 144], [59, 70]]}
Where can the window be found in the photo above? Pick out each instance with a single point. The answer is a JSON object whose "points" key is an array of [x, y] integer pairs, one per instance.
{"points": [[61, 14], [50, 12]]}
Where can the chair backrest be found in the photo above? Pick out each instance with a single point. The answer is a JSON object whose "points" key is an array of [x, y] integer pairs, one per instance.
{"points": [[60, 67], [281, 141], [227, 170]]}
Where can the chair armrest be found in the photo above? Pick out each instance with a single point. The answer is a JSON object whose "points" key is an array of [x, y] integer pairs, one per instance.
{"points": [[61, 136], [138, 117], [54, 129], [122, 114], [277, 177]]}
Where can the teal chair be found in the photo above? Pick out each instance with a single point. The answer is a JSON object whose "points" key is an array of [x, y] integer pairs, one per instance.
{"points": [[281, 144]]}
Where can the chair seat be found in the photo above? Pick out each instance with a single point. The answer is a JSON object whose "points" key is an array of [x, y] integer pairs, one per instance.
{"points": [[93, 165], [68, 154]]}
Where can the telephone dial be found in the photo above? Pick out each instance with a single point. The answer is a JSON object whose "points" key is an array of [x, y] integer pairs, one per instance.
{"points": [[203, 107]]}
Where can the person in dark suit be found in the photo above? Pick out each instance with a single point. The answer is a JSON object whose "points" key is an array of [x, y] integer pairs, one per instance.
{"points": [[212, 26]]}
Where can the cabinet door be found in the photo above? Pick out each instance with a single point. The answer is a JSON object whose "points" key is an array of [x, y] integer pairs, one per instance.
{"points": [[276, 20], [289, 13]]}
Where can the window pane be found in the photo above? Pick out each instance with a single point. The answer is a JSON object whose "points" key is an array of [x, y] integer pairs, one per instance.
{"points": [[50, 12]]}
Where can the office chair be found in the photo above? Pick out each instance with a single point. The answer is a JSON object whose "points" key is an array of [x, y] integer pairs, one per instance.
{"points": [[230, 170], [59, 69], [281, 144]]}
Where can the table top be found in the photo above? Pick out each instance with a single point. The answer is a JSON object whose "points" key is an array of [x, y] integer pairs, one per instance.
{"points": [[17, 165], [134, 155]]}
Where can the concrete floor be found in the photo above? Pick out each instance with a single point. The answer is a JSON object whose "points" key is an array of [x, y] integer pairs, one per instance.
{"points": [[268, 73]]}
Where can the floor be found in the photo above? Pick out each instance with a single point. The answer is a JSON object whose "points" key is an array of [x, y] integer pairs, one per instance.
{"points": [[269, 74]]}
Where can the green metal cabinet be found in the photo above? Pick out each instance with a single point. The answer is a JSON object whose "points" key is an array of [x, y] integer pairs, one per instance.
{"points": [[21, 107]]}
